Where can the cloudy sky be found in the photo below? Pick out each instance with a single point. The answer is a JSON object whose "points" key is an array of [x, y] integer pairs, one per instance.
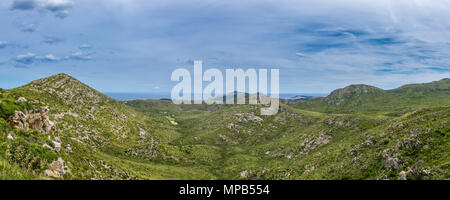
{"points": [[134, 45]]}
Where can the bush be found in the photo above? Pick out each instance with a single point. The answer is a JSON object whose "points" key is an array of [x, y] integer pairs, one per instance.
{"points": [[30, 156], [3, 126], [7, 108]]}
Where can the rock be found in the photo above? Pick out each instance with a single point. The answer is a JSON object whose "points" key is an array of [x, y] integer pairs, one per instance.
{"points": [[309, 168], [369, 142], [51, 174], [409, 144], [21, 99], [230, 126], [57, 169], [390, 163], [335, 121], [256, 118], [402, 175], [353, 152], [48, 147], [245, 174], [142, 133], [37, 119], [246, 117], [147, 152], [313, 143], [18, 120], [68, 148], [61, 115], [58, 164], [57, 144]]}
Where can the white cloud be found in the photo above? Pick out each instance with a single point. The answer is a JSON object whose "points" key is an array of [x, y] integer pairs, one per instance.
{"points": [[56, 5], [26, 59], [85, 46], [50, 58], [60, 8], [52, 40], [27, 27], [81, 56], [300, 54], [3, 44]]}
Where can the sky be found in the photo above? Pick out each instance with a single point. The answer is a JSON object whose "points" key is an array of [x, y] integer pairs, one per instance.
{"points": [[134, 45]]}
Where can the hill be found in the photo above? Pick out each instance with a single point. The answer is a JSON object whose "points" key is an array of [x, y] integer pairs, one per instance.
{"points": [[60, 128], [91, 137], [369, 99]]}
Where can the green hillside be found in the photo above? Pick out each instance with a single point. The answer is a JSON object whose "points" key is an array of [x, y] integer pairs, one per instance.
{"points": [[368, 99], [67, 130]]}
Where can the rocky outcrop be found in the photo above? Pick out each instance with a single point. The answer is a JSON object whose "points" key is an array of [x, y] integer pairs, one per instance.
{"points": [[311, 144], [36, 119], [389, 161], [57, 169], [142, 133], [246, 117], [147, 152]]}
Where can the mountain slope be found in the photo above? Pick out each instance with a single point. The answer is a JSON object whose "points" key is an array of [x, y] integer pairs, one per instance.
{"points": [[368, 99], [298, 144], [93, 131]]}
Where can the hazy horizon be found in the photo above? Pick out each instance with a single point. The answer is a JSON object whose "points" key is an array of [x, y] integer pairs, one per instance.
{"points": [[126, 96]]}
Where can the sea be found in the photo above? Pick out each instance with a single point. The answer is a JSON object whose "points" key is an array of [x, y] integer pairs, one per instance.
{"points": [[134, 96]]}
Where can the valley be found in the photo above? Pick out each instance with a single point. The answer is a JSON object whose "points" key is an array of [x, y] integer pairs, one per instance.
{"points": [[358, 132]]}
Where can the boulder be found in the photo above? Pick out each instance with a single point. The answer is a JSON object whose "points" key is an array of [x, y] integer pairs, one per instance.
{"points": [[57, 169], [21, 99], [18, 120], [402, 175], [50, 173], [245, 174]]}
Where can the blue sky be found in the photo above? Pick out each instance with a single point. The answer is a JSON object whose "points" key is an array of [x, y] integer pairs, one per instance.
{"points": [[134, 45]]}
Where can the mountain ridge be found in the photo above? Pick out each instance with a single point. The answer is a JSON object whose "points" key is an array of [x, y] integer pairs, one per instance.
{"points": [[369, 99]]}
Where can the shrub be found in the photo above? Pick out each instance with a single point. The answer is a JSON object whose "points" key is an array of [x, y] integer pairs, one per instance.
{"points": [[30, 156], [3, 126], [7, 108]]}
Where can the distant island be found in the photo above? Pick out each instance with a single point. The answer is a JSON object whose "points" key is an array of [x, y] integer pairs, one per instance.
{"points": [[301, 97]]}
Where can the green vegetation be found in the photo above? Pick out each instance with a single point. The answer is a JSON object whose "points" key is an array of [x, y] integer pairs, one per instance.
{"points": [[359, 132], [371, 100]]}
